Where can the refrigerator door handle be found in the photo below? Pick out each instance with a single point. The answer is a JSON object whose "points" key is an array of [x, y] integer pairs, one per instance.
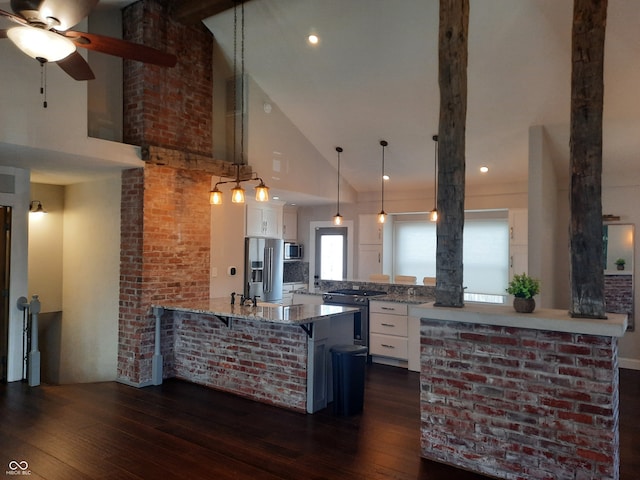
{"points": [[268, 267]]}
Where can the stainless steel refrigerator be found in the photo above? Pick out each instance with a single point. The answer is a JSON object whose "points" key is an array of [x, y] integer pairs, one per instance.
{"points": [[263, 267]]}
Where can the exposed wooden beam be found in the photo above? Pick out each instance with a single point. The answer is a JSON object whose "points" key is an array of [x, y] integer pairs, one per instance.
{"points": [[191, 12], [453, 42], [587, 97]]}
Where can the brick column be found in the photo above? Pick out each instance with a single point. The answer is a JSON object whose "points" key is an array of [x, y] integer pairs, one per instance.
{"points": [[165, 225]]}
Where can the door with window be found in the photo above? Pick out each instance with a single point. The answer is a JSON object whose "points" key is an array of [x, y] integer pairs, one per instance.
{"points": [[331, 253]]}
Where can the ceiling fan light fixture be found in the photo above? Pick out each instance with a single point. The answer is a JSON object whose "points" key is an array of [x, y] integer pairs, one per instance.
{"points": [[41, 44]]}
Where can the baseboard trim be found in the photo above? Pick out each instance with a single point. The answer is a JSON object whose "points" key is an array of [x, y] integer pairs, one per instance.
{"points": [[126, 381], [630, 363]]}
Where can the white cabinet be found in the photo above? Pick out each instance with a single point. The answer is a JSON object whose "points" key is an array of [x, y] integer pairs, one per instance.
{"points": [[287, 292], [290, 225], [264, 220], [388, 330], [413, 340], [307, 299], [369, 230], [518, 241], [369, 260], [369, 246]]}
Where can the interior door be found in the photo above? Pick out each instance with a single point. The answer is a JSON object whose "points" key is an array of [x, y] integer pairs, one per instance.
{"points": [[5, 256], [331, 253]]}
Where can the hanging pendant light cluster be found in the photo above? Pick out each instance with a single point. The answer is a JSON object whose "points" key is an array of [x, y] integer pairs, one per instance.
{"points": [[433, 215], [238, 193], [337, 219], [382, 216]]}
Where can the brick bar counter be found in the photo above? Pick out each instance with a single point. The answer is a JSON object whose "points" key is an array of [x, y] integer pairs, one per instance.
{"points": [[270, 353], [520, 396]]}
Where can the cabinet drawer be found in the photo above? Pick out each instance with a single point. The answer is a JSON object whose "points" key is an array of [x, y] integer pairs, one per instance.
{"points": [[388, 324], [388, 346], [389, 307]]}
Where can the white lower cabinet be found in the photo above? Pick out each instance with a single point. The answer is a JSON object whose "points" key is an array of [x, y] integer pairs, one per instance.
{"points": [[388, 330], [287, 292]]}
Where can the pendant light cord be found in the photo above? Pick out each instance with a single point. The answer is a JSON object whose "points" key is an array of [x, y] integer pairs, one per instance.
{"points": [[435, 174], [339, 150]]}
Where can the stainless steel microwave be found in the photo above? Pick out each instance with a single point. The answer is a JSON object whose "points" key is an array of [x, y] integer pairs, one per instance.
{"points": [[293, 251]]}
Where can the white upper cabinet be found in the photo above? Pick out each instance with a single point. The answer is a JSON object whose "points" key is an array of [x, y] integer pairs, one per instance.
{"points": [[264, 220], [369, 230], [290, 225]]}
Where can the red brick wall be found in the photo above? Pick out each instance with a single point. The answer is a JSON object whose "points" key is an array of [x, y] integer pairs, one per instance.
{"points": [[618, 293], [165, 211], [168, 107], [165, 243], [519, 403], [257, 360]]}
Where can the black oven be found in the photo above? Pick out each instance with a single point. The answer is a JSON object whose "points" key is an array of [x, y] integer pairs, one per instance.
{"points": [[358, 299]]}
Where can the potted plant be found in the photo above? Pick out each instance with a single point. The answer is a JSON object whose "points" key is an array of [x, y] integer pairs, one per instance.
{"points": [[523, 288], [620, 263]]}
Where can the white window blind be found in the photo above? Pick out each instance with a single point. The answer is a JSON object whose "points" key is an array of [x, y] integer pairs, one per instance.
{"points": [[485, 252]]}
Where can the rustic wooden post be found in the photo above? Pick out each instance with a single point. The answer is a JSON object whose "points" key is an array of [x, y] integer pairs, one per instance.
{"points": [[452, 78], [587, 58]]}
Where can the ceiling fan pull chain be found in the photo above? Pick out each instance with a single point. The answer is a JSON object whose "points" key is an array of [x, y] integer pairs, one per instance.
{"points": [[43, 82]]}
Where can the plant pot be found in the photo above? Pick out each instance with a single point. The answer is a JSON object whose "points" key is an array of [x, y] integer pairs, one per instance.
{"points": [[620, 267], [524, 305]]}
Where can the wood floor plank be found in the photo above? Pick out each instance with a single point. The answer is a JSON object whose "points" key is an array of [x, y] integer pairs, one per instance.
{"points": [[180, 430]]}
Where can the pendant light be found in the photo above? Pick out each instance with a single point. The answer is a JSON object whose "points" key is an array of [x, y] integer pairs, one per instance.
{"points": [[433, 215], [238, 193], [337, 219], [382, 216]]}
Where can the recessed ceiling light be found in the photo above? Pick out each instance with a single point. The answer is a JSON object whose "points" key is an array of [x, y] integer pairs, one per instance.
{"points": [[484, 169], [276, 198], [313, 39], [385, 177]]}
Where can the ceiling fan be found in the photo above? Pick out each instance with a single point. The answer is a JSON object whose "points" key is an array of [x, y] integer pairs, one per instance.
{"points": [[43, 33]]}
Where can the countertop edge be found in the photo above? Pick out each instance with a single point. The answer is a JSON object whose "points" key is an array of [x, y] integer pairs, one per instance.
{"points": [[542, 319], [268, 314]]}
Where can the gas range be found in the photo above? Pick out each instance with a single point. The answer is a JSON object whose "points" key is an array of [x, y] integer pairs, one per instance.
{"points": [[350, 296], [359, 299]]}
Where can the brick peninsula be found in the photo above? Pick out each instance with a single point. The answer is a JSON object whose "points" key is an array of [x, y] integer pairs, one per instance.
{"points": [[520, 396], [270, 353]]}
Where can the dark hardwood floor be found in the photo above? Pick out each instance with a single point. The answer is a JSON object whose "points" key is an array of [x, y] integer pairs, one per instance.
{"points": [[181, 430]]}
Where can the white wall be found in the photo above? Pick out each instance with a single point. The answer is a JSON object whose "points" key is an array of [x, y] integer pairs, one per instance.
{"points": [[45, 247], [91, 273]]}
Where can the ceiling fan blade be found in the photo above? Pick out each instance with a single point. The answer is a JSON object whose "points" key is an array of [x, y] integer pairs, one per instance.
{"points": [[13, 17], [121, 48], [76, 66], [59, 14]]}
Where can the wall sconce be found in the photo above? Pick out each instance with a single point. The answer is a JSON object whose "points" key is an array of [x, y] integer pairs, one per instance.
{"points": [[237, 193], [382, 215], [36, 209], [433, 215], [337, 219]]}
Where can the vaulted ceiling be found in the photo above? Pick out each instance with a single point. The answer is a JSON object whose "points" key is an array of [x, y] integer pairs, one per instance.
{"points": [[373, 76]]}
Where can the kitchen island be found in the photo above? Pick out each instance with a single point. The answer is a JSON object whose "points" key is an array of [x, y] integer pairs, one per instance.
{"points": [[515, 395], [270, 353]]}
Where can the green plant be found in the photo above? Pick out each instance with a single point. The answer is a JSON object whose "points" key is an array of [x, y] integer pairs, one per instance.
{"points": [[523, 286], [620, 261]]}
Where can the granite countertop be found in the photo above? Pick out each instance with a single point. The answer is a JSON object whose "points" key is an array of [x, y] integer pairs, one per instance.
{"points": [[263, 312], [389, 297], [541, 319]]}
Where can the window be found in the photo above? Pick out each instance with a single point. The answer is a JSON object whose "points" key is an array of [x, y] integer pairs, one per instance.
{"points": [[485, 252]]}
